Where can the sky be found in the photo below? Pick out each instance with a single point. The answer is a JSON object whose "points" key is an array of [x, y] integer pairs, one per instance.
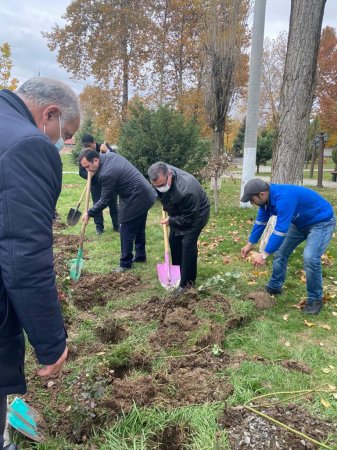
{"points": [[21, 24]]}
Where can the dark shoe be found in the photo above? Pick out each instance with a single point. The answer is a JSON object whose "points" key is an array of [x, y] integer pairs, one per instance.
{"points": [[99, 232], [116, 230], [178, 291], [273, 291], [139, 260], [121, 269], [11, 447], [313, 308]]}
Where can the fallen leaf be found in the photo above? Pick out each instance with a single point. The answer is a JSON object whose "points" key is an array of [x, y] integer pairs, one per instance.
{"points": [[326, 370], [332, 387], [321, 344], [334, 313], [332, 367], [287, 344], [325, 403], [334, 396], [325, 327], [309, 324], [285, 317]]}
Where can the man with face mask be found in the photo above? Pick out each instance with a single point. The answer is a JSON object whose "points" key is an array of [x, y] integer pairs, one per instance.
{"points": [[188, 211], [33, 121], [117, 175], [302, 215]]}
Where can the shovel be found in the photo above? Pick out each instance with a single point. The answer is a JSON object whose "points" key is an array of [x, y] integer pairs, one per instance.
{"points": [[26, 420], [77, 263], [74, 214], [169, 275]]}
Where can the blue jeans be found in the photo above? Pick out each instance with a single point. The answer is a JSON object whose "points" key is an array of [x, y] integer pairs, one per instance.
{"points": [[318, 237]]}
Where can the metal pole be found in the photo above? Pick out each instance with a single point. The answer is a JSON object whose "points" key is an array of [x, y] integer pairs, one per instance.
{"points": [[320, 161]]}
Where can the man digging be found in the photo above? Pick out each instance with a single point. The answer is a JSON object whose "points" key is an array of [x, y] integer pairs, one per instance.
{"points": [[302, 215]]}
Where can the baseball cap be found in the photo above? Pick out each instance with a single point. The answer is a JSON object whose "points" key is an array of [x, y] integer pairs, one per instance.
{"points": [[254, 187]]}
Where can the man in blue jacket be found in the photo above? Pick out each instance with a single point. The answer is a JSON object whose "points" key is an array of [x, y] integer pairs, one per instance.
{"points": [[302, 215], [118, 176], [33, 123]]}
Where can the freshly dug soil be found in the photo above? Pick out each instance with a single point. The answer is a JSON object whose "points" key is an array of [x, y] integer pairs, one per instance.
{"points": [[250, 431]]}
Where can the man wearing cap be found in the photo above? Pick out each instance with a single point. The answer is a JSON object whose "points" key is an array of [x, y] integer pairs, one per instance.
{"points": [[88, 141], [302, 215]]}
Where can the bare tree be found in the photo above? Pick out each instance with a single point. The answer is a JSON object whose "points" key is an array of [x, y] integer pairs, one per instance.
{"points": [[297, 90], [224, 20]]}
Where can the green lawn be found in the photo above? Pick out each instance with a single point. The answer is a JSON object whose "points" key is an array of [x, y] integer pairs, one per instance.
{"points": [[255, 347]]}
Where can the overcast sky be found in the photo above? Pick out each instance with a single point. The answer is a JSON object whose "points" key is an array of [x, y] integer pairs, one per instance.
{"points": [[21, 23]]}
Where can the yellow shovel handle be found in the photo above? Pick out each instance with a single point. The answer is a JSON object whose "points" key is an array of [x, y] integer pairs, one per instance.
{"points": [[165, 230]]}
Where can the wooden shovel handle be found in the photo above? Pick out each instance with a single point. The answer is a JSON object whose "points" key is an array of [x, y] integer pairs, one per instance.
{"points": [[87, 198], [81, 198], [166, 239]]}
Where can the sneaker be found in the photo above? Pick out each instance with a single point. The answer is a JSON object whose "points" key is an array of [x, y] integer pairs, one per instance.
{"points": [[121, 269], [11, 447], [99, 232], [313, 308], [116, 230], [273, 291]]}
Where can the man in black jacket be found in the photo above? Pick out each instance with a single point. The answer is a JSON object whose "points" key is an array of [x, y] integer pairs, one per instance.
{"points": [[88, 141], [117, 175], [33, 124], [188, 207]]}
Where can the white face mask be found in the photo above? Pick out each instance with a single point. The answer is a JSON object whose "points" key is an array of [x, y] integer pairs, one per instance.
{"points": [[163, 189], [60, 143]]}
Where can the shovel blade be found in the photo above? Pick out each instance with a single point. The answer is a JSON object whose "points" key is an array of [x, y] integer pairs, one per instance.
{"points": [[73, 216], [168, 275], [26, 420], [75, 268]]}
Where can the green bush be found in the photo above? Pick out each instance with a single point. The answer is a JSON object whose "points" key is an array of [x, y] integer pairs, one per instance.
{"points": [[162, 135]]}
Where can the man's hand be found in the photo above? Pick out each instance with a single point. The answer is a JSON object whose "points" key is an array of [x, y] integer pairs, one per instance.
{"points": [[165, 221], [246, 249], [53, 369], [85, 218], [258, 260]]}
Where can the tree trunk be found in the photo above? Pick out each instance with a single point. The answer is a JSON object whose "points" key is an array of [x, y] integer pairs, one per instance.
{"points": [[218, 148], [297, 90], [249, 155]]}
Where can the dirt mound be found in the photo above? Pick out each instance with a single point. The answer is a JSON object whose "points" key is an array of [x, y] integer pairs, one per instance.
{"points": [[296, 365], [125, 392], [196, 386], [262, 299], [110, 332], [203, 360], [97, 289], [247, 430]]}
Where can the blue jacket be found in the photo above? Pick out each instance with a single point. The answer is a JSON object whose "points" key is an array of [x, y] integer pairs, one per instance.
{"points": [[30, 183], [292, 205]]}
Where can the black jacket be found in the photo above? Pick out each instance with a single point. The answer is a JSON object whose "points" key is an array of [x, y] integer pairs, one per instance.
{"points": [[186, 202], [117, 175], [30, 183]]}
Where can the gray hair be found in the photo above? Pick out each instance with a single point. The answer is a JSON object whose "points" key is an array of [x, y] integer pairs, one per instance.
{"points": [[46, 91], [157, 169]]}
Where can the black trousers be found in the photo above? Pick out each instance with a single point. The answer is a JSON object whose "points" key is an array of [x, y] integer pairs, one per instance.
{"points": [[184, 250], [3, 414], [132, 234], [113, 208]]}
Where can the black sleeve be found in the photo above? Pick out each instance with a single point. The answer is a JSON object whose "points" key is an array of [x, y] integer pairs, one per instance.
{"points": [[189, 212]]}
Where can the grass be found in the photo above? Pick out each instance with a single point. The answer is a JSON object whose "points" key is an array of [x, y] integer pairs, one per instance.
{"points": [[265, 338]]}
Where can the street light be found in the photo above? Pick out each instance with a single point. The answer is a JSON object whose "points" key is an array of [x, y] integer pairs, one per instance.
{"points": [[321, 139]]}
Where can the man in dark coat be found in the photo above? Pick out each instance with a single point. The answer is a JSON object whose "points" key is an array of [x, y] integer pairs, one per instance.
{"points": [[89, 142], [188, 208], [33, 123], [117, 175]]}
